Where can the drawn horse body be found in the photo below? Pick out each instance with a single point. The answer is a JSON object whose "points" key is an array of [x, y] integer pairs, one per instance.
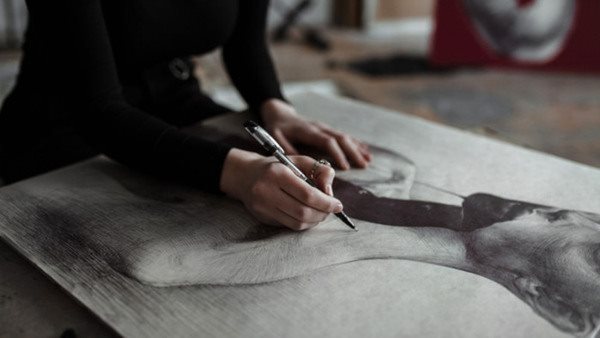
{"points": [[548, 257]]}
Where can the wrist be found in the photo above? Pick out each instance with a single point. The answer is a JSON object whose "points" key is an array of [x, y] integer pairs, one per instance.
{"points": [[275, 109], [237, 163]]}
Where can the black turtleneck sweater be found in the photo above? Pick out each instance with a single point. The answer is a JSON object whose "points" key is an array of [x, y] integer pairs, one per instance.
{"points": [[96, 76]]}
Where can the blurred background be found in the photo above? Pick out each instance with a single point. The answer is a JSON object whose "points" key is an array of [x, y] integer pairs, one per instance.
{"points": [[524, 71]]}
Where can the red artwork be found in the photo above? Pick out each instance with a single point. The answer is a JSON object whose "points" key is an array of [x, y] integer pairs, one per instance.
{"points": [[560, 35]]}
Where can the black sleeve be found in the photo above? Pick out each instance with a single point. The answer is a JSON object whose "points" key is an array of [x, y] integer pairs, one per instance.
{"points": [[247, 58], [114, 127]]}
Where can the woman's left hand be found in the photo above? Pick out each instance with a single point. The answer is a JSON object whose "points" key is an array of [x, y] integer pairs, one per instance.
{"points": [[288, 128]]}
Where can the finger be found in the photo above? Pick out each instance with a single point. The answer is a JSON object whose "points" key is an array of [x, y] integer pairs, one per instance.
{"points": [[297, 210], [283, 141], [290, 222], [327, 129], [364, 149], [332, 147], [305, 193], [261, 212], [267, 214], [323, 178], [328, 143], [351, 149], [367, 155], [267, 220]]}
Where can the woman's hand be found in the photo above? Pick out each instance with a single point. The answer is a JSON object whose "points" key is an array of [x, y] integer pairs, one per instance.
{"points": [[287, 127], [273, 194]]}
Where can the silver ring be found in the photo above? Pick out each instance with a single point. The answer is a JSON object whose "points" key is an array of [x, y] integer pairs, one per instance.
{"points": [[324, 162], [180, 69], [316, 165]]}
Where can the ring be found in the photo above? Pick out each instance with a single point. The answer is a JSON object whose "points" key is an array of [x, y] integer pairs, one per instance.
{"points": [[313, 172]]}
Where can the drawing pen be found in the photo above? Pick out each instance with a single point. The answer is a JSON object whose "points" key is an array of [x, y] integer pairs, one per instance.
{"points": [[273, 148]]}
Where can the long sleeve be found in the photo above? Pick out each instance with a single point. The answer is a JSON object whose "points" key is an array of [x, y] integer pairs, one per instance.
{"points": [[108, 122], [175, 99], [247, 58]]}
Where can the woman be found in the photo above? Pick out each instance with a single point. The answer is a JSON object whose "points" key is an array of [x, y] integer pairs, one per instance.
{"points": [[106, 76]]}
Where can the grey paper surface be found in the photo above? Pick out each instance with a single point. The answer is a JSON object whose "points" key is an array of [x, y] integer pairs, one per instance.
{"points": [[375, 297]]}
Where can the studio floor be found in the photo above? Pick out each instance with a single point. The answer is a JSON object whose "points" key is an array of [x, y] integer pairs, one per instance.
{"points": [[554, 113], [557, 113]]}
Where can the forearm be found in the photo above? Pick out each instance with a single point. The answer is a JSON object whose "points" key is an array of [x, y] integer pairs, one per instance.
{"points": [[247, 58], [273, 109], [139, 140], [253, 74]]}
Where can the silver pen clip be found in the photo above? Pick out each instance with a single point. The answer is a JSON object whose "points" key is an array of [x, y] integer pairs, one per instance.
{"points": [[263, 138]]}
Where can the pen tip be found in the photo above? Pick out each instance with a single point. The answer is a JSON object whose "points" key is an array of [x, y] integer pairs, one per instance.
{"points": [[348, 222], [342, 216]]}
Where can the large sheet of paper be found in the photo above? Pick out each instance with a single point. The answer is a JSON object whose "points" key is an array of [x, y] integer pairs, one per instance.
{"points": [[93, 226]]}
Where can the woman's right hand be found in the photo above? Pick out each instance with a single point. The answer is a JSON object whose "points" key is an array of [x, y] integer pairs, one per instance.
{"points": [[274, 195]]}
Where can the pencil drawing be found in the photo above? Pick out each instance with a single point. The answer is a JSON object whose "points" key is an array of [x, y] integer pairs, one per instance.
{"points": [[548, 257], [166, 234]]}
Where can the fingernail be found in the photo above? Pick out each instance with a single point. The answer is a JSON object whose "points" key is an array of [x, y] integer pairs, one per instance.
{"points": [[329, 190], [338, 208]]}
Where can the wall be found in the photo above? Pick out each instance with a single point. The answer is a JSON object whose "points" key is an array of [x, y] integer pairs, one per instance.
{"points": [[318, 14], [399, 9], [13, 19]]}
